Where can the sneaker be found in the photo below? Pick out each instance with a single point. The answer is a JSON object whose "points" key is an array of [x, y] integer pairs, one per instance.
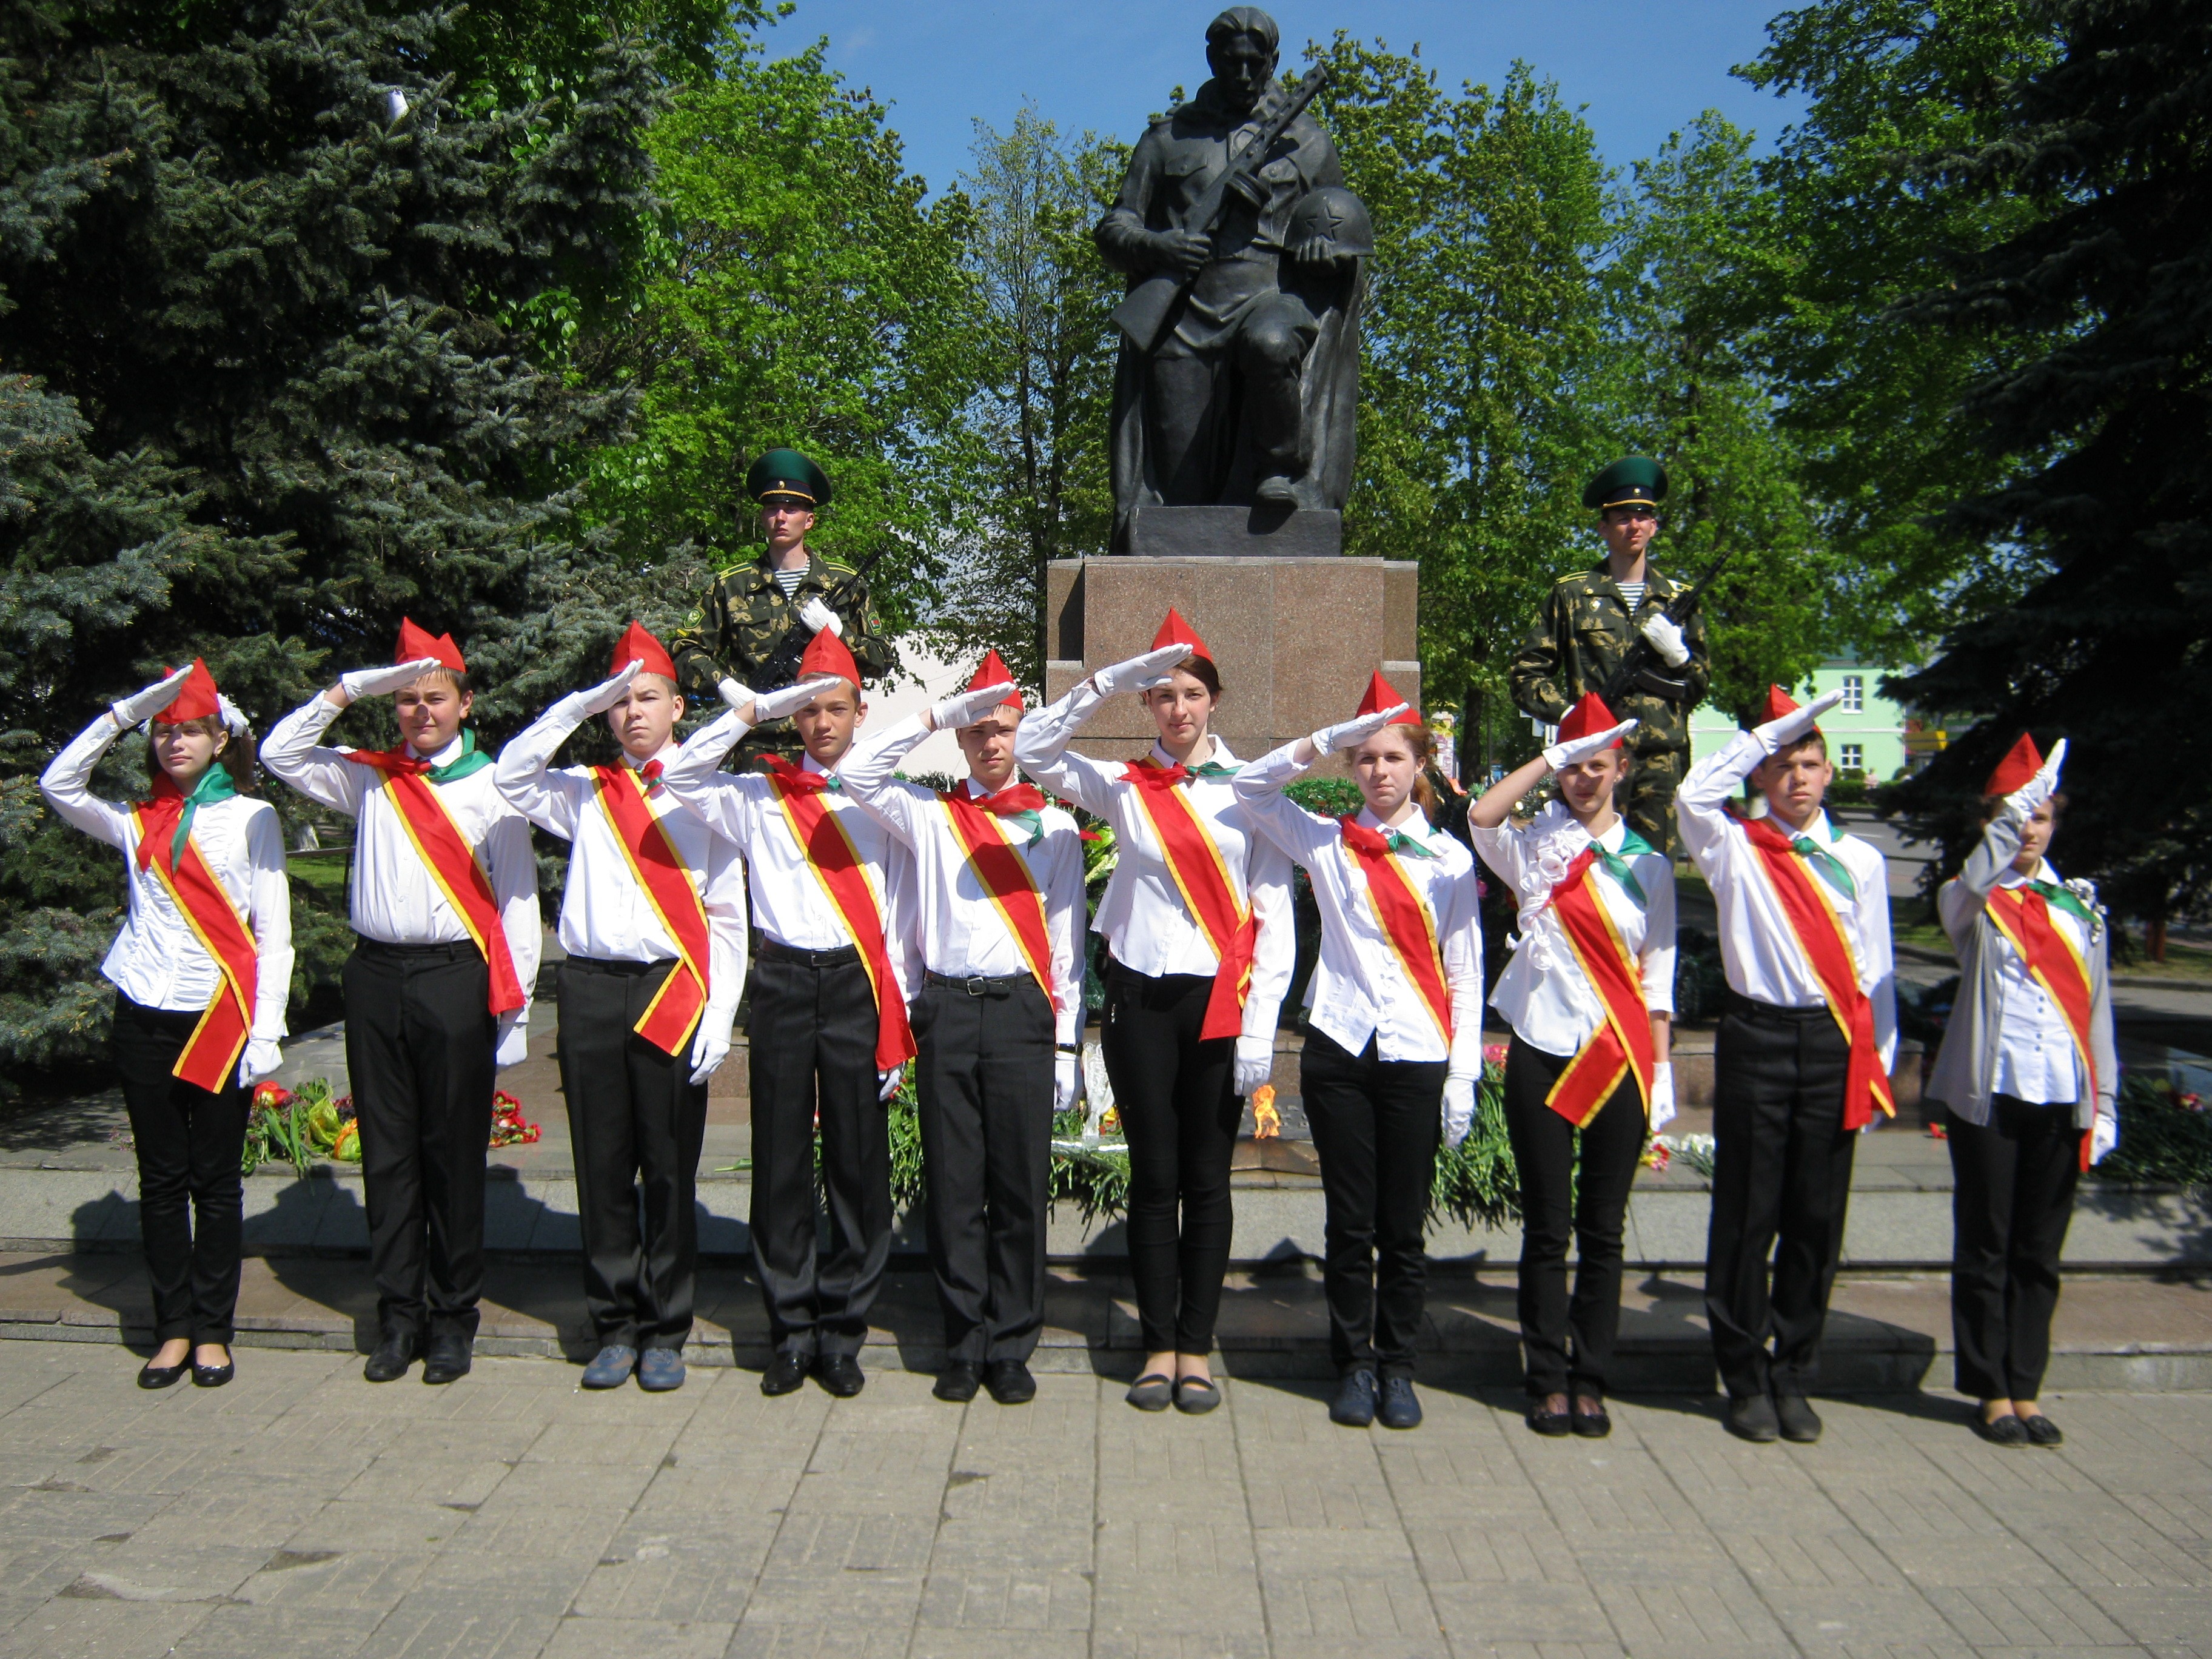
{"points": [[659, 1371], [1399, 1408], [1355, 1402], [610, 1366]]}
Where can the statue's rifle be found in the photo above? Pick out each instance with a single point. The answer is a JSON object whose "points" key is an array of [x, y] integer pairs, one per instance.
{"points": [[1639, 666], [1150, 307]]}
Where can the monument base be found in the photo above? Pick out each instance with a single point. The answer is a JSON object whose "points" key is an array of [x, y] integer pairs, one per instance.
{"points": [[1229, 532], [1295, 638]]}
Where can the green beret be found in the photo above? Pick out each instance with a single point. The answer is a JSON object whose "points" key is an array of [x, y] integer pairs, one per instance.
{"points": [[1633, 481], [787, 472]]}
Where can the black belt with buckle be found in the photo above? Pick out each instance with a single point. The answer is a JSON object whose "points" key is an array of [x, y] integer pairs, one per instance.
{"points": [[775, 951], [975, 985]]}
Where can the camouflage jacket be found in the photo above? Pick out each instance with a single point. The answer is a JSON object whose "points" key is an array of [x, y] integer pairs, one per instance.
{"points": [[1584, 631], [744, 618]]}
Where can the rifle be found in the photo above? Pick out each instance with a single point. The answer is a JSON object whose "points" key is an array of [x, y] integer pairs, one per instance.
{"points": [[1637, 667], [781, 667], [1144, 314]]}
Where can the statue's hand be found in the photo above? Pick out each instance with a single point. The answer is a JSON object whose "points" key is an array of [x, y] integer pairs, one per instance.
{"points": [[1184, 252], [1319, 253]]}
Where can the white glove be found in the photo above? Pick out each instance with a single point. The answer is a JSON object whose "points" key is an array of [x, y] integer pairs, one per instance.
{"points": [[1662, 1095], [1581, 749], [1778, 735], [1255, 1064], [790, 699], [2024, 800], [1063, 1082], [736, 694], [1140, 673], [818, 615], [513, 1041], [1458, 1108], [887, 1083], [709, 1048], [603, 695], [141, 706], [2104, 1135], [970, 705], [1350, 734], [1666, 639], [383, 682], [263, 1057]]}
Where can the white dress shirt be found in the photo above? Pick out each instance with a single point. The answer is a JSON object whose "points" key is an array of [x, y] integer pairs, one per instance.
{"points": [[963, 933], [157, 961], [1359, 989], [605, 913], [1143, 917], [1759, 949], [2037, 1061], [396, 899], [788, 904], [1544, 994]]}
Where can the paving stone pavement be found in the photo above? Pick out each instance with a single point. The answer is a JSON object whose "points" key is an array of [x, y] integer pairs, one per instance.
{"points": [[301, 1511]]}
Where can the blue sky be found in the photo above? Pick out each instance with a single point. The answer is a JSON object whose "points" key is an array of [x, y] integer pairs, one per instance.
{"points": [[1641, 68]]}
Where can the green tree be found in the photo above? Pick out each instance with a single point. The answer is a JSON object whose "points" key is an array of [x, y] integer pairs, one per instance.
{"points": [[273, 286], [798, 290], [2097, 423]]}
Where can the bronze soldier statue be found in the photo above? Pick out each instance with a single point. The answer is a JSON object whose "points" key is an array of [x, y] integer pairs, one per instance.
{"points": [[1592, 619], [759, 616]]}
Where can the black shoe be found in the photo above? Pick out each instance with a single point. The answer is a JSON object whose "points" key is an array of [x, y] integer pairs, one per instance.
{"points": [[1551, 1425], [1800, 1422], [1751, 1417], [213, 1376], [392, 1356], [151, 1375], [1355, 1401], [840, 1374], [1592, 1424], [1401, 1408], [2006, 1431], [2041, 1431], [447, 1358], [1010, 1382], [786, 1372], [958, 1382]]}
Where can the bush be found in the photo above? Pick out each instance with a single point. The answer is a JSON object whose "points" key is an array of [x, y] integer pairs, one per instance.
{"points": [[2165, 1135]]}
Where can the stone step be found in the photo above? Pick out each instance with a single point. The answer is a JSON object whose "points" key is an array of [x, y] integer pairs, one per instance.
{"points": [[1885, 1333]]}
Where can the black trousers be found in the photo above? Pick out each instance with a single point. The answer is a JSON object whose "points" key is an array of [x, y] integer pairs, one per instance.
{"points": [[984, 1082], [192, 1198], [1568, 1346], [1376, 1124], [1173, 1093], [419, 1039], [1782, 1170], [812, 1046], [2012, 1196], [635, 1121]]}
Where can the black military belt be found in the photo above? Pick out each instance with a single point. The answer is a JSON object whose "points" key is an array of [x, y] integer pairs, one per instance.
{"points": [[773, 951], [976, 985], [1771, 1013]]}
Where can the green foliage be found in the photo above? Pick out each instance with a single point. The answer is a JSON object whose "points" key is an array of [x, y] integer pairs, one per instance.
{"points": [[2164, 1137], [1332, 798], [1476, 1183]]}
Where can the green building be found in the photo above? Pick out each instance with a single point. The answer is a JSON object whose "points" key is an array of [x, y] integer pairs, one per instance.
{"points": [[1867, 733]]}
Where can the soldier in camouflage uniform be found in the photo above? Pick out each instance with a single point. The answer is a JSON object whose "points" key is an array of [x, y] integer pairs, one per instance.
{"points": [[749, 629], [1588, 623]]}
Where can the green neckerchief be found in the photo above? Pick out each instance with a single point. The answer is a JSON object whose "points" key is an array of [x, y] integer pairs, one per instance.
{"points": [[471, 761], [1398, 842], [1632, 846], [216, 784], [1211, 769], [2065, 897], [1830, 867]]}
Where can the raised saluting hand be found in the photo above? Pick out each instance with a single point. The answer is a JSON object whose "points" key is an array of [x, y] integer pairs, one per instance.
{"points": [[141, 706]]}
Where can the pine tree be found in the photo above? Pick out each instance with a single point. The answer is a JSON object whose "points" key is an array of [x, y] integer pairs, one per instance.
{"points": [[2097, 310], [283, 290]]}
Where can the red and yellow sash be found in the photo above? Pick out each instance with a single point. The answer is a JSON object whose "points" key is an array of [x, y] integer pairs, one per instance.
{"points": [[1201, 876], [446, 853], [209, 1060], [2023, 916], [1404, 919], [1819, 934], [1005, 876], [837, 865], [673, 1014], [1623, 1038]]}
